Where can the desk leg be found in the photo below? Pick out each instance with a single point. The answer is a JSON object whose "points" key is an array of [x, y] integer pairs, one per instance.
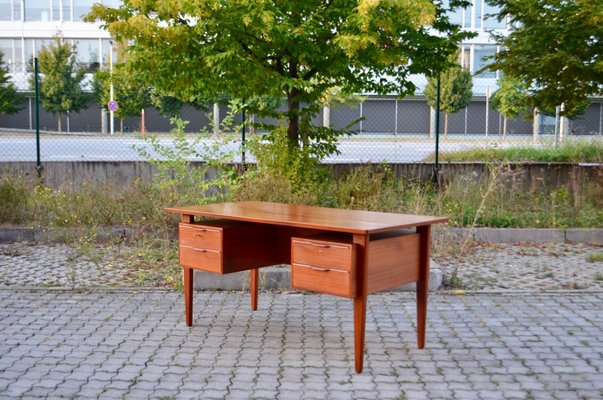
{"points": [[423, 283], [361, 242], [188, 294], [359, 329], [253, 288]]}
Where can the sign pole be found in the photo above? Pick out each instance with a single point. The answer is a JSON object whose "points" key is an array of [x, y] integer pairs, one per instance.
{"points": [[111, 122]]}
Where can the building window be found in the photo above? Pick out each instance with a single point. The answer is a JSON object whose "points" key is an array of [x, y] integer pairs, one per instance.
{"points": [[86, 52], [106, 52], [6, 47], [6, 7], [481, 54], [490, 20], [67, 17], [37, 10], [81, 8], [112, 3]]}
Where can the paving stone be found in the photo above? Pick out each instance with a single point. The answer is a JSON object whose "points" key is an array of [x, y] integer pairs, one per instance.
{"points": [[454, 360]]}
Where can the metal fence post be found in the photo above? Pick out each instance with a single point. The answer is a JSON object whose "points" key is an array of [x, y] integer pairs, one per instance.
{"points": [[37, 90], [436, 168]]}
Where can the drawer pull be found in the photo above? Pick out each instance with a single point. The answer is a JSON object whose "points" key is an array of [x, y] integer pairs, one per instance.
{"points": [[320, 269], [321, 246]]}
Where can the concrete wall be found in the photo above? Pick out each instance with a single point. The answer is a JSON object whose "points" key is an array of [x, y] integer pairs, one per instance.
{"points": [[75, 174]]}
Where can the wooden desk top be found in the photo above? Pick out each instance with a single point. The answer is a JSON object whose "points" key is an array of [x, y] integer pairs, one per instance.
{"points": [[328, 219]]}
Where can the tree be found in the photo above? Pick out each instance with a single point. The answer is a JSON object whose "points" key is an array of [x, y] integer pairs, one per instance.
{"points": [[510, 99], [9, 98], [291, 49], [554, 50], [455, 90], [131, 95], [60, 80]]}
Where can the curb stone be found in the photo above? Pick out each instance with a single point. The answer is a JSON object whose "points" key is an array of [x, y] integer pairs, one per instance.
{"points": [[527, 235]]}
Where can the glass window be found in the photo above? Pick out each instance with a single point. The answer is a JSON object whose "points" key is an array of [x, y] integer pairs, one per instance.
{"points": [[490, 20], [6, 47], [67, 17], [18, 54], [81, 8], [477, 7], [466, 57], [480, 60], [5, 10], [17, 10], [56, 10], [106, 52], [456, 15], [112, 3], [37, 10], [28, 53], [39, 43], [86, 51], [467, 17]]}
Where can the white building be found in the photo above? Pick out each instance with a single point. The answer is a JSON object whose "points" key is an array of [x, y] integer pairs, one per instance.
{"points": [[26, 25]]}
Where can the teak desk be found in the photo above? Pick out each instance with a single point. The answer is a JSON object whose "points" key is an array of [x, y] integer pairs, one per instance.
{"points": [[340, 252]]}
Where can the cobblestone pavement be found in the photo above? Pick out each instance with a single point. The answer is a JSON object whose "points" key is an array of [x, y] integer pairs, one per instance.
{"points": [[550, 266], [60, 265], [127, 344], [89, 342]]}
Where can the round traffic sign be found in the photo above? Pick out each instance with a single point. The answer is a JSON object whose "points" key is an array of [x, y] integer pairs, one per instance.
{"points": [[112, 105]]}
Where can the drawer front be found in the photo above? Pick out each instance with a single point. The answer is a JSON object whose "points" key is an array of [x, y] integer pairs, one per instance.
{"points": [[206, 260], [323, 254], [322, 280], [199, 236]]}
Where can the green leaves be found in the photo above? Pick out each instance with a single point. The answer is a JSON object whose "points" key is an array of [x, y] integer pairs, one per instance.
{"points": [[9, 98], [296, 50], [60, 79], [554, 50]]}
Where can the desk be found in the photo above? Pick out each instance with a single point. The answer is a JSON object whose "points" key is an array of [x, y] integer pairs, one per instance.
{"points": [[345, 253]]}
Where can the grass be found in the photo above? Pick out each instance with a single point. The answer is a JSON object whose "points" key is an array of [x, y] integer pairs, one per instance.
{"points": [[569, 152], [595, 257]]}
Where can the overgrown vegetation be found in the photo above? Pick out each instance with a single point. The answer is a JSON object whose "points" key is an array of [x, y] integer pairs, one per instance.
{"points": [[569, 152]]}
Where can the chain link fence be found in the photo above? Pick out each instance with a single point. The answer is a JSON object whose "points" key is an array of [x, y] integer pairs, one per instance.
{"points": [[387, 128]]}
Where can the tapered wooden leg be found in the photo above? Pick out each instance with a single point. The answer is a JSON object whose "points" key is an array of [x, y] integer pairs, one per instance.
{"points": [[359, 329], [361, 242], [253, 287], [188, 294], [423, 283]]}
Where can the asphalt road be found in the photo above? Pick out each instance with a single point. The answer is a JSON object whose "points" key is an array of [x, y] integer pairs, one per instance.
{"points": [[122, 148]]}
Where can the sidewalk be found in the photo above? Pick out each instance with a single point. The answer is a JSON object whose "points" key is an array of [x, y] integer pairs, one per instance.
{"points": [[65, 334], [127, 344]]}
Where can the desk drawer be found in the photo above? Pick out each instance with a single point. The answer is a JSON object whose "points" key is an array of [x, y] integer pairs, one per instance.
{"points": [[207, 260], [327, 254], [200, 236], [322, 280]]}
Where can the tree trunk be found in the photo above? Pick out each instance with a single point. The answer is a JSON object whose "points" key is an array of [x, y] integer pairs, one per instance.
{"points": [[445, 125], [504, 127], [59, 122], [293, 116], [121, 125]]}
